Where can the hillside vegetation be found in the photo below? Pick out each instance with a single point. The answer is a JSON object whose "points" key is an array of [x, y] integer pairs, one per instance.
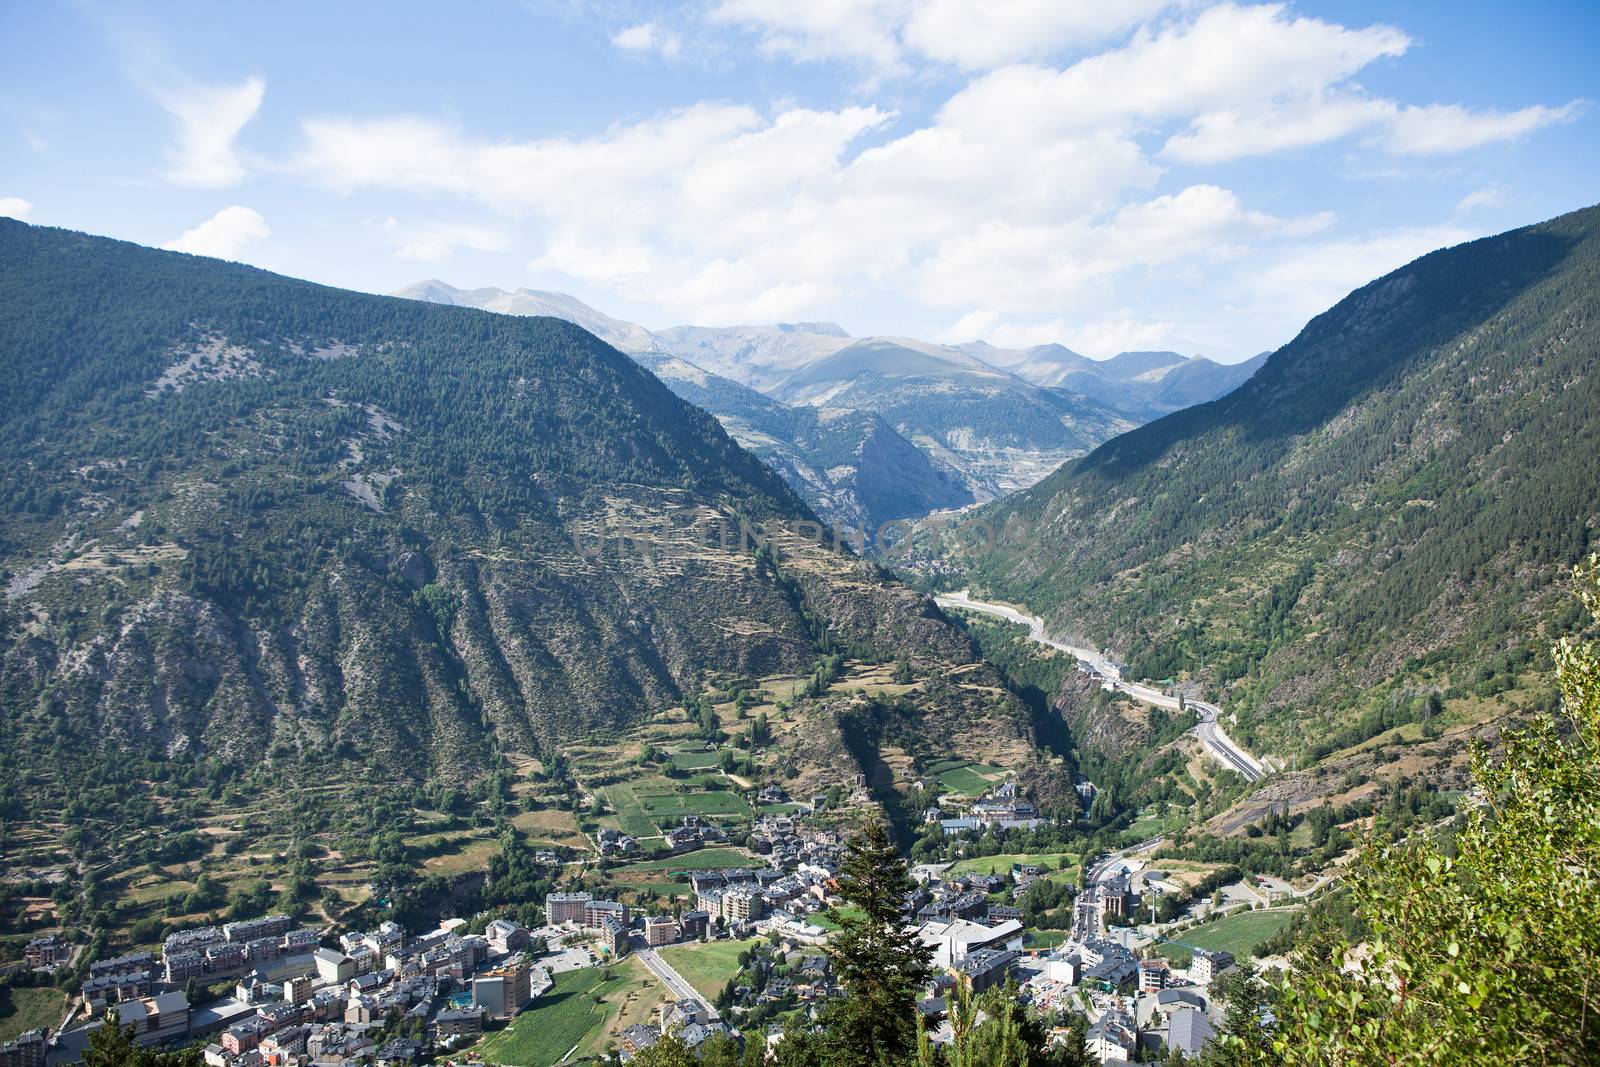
{"points": [[1373, 521]]}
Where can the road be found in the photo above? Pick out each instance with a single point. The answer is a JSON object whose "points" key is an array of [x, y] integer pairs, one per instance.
{"points": [[1208, 730], [675, 983]]}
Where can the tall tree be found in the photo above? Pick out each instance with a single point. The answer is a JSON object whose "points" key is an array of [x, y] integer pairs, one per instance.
{"points": [[882, 965], [1485, 952]]}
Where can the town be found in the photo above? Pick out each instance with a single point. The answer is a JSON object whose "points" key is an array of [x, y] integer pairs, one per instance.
{"points": [[388, 996]]}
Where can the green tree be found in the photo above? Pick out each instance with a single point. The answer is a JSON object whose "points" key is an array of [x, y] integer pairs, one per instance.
{"points": [[1483, 948], [883, 966]]}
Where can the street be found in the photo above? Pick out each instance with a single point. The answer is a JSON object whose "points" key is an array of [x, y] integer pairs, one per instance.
{"points": [[1208, 730]]}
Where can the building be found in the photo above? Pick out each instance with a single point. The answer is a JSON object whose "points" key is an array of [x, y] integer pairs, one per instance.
{"points": [[660, 930], [334, 966], [953, 941], [694, 924], [615, 936], [596, 912], [1206, 964], [1154, 974], [179, 967], [251, 929], [563, 908], [298, 990], [504, 990], [460, 1022], [1113, 1037], [506, 936], [26, 1050], [47, 951], [1189, 1032], [636, 1038], [164, 1017], [988, 967]]}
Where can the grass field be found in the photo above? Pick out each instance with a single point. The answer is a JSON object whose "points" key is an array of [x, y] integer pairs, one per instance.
{"points": [[676, 805], [705, 859], [695, 761], [22, 1010], [1238, 934], [707, 967], [959, 776], [1001, 864], [565, 1018]]}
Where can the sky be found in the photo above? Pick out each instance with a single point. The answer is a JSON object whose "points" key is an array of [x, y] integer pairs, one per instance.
{"points": [[1142, 174]]}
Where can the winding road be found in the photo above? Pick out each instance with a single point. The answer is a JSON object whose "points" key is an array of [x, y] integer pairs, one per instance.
{"points": [[1208, 730]]}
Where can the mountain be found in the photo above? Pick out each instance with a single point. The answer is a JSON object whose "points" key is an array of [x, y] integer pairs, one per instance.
{"points": [[253, 519], [757, 356], [995, 419], [1000, 431], [628, 337], [1139, 385], [851, 467], [1388, 508]]}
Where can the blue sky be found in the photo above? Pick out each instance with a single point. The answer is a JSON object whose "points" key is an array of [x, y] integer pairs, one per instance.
{"points": [[1144, 174]]}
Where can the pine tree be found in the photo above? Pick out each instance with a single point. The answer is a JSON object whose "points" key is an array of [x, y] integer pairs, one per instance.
{"points": [[883, 966]]}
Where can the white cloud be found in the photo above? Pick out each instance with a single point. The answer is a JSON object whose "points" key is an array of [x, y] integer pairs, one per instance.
{"points": [[225, 235], [984, 34], [1488, 196], [890, 36], [1449, 128], [209, 118], [1031, 194], [1104, 338], [14, 207], [647, 37], [439, 240]]}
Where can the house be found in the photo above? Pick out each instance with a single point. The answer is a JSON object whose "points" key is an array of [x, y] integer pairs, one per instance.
{"points": [[676, 1014], [47, 951], [635, 1039], [1207, 964], [1189, 1032], [1113, 1036]]}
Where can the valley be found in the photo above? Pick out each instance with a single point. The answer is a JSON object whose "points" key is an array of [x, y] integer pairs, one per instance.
{"points": [[464, 649]]}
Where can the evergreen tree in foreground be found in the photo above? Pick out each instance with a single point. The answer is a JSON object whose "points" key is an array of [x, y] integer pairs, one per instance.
{"points": [[1486, 952], [882, 966]]}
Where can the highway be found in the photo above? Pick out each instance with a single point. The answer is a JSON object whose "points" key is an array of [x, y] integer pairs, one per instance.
{"points": [[1208, 730], [675, 983]]}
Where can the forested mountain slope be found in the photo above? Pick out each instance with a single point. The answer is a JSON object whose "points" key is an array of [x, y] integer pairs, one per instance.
{"points": [[1388, 507], [252, 517]]}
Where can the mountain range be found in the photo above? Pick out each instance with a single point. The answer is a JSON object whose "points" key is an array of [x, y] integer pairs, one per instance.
{"points": [[975, 422], [1374, 529], [246, 518]]}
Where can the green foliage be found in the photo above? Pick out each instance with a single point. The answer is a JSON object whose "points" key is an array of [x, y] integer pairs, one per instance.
{"points": [[882, 965], [1398, 487], [1481, 949]]}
